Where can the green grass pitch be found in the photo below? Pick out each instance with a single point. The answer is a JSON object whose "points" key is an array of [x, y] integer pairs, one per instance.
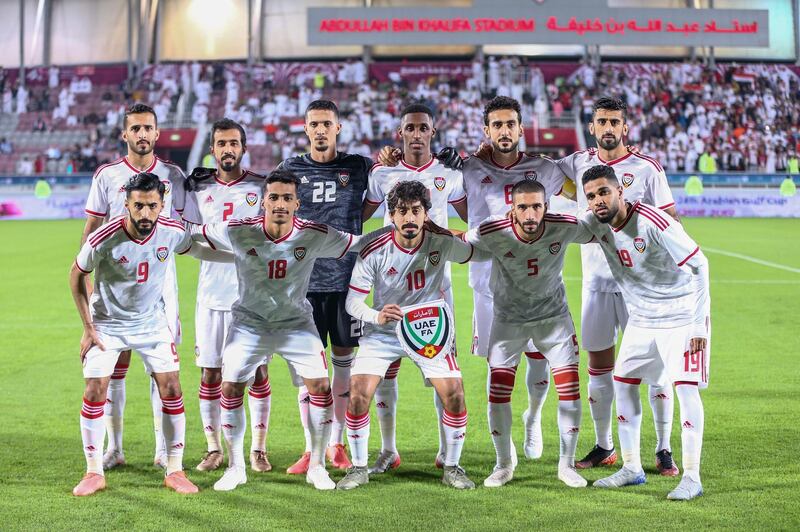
{"points": [[750, 460]]}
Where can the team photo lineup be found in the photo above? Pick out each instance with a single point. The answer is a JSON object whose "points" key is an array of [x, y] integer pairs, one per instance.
{"points": [[286, 270]]}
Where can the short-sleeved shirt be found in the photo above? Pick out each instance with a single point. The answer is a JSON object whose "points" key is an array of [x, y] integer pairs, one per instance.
{"points": [[645, 255], [219, 201], [273, 274], [641, 177], [331, 193], [107, 193], [403, 276], [488, 186], [526, 275], [129, 273]]}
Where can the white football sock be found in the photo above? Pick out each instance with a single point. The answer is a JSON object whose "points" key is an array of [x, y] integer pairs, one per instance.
{"points": [[601, 400], [439, 405], [302, 405], [692, 423], [662, 403], [233, 427], [501, 385], [340, 387], [629, 422], [386, 407], [259, 401], [92, 435], [358, 437], [537, 379], [455, 430], [174, 431], [210, 395], [115, 407], [158, 422], [320, 416], [568, 387]]}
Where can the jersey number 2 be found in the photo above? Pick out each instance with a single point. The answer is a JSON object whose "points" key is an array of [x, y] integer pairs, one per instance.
{"points": [[227, 212]]}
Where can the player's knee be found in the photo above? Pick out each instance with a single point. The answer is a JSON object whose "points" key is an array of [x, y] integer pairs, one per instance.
{"points": [[261, 376], [233, 389], [96, 390], [211, 376], [341, 351], [318, 386], [603, 358]]}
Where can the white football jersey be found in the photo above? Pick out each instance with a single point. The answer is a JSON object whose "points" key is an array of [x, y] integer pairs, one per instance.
{"points": [[650, 256], [488, 186], [129, 274], [526, 275], [641, 177], [403, 276], [107, 192], [273, 274], [219, 202]]}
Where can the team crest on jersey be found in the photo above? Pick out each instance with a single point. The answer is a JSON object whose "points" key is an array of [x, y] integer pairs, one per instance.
{"points": [[531, 175], [639, 244], [627, 179], [554, 248], [344, 178], [426, 330], [167, 186], [162, 253], [251, 198], [434, 257], [439, 183], [300, 253]]}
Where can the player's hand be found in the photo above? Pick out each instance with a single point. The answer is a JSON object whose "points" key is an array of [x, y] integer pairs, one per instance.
{"points": [[390, 156], [389, 313], [429, 225], [88, 340], [450, 158], [484, 152], [696, 345]]}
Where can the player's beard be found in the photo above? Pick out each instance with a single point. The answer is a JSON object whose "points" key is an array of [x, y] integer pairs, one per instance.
{"points": [[512, 147], [230, 163], [609, 215], [409, 231], [143, 230], [530, 227], [609, 143], [321, 145], [141, 149]]}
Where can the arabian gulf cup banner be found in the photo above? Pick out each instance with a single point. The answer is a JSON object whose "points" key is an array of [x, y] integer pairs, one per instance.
{"points": [[737, 202], [426, 330]]}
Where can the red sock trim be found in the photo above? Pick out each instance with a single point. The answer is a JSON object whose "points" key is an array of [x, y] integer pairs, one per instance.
{"points": [[627, 380]]}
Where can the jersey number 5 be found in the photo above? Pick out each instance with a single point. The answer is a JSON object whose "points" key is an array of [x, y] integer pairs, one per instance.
{"points": [[324, 192]]}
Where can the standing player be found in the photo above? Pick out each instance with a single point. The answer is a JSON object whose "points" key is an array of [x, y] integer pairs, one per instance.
{"points": [[406, 267], [488, 183], [107, 200], [664, 278], [275, 256], [332, 186], [530, 304], [446, 187], [603, 308], [228, 193], [130, 258]]}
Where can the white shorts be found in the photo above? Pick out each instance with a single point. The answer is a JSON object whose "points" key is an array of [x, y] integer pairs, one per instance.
{"points": [[661, 357], [376, 353], [554, 337], [247, 349], [157, 350], [210, 329], [603, 315], [482, 318], [170, 297]]}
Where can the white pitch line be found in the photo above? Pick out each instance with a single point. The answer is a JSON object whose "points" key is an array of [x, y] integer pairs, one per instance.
{"points": [[754, 260]]}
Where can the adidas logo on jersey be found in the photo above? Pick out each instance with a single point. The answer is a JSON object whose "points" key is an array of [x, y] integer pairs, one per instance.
{"points": [[252, 251], [210, 199], [509, 255], [122, 260], [304, 180], [486, 180], [391, 271]]}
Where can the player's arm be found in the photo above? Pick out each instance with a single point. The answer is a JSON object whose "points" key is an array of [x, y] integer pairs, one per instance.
{"points": [[361, 281], [79, 286], [215, 235], [463, 252], [203, 251], [461, 208], [373, 197], [583, 233], [92, 223], [661, 195], [338, 243], [458, 197], [368, 209], [448, 156]]}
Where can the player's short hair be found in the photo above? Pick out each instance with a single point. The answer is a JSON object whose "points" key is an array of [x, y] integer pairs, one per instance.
{"points": [[138, 109], [499, 103], [609, 103], [226, 124], [416, 107], [527, 186], [322, 105], [600, 171], [281, 175], [408, 192], [145, 182]]}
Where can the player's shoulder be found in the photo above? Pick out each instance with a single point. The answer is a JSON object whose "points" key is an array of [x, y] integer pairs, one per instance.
{"points": [[250, 221], [493, 224], [560, 218], [105, 169], [646, 161], [354, 160], [375, 244], [302, 224], [649, 216], [104, 234], [173, 170], [250, 175], [171, 225]]}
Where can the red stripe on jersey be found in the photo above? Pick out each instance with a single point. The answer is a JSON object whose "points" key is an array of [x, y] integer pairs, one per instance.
{"points": [[654, 212], [185, 251], [491, 227], [357, 289], [512, 165], [627, 218], [373, 167], [471, 252], [689, 383], [692, 254], [558, 218], [536, 355], [650, 160], [373, 202], [657, 220], [104, 234], [171, 223], [406, 250], [667, 206], [615, 161], [302, 224], [81, 269], [246, 221], [98, 214], [349, 243], [104, 166], [375, 244], [418, 168], [136, 170], [210, 243], [627, 380], [459, 200], [652, 219]]}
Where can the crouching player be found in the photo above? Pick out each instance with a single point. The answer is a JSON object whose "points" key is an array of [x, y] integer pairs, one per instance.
{"points": [[406, 268]]}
